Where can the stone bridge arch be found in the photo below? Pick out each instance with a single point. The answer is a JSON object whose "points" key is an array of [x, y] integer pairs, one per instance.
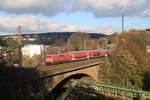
{"points": [[61, 87], [92, 72], [60, 80]]}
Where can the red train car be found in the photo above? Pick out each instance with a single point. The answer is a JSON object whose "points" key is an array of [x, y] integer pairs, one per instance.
{"points": [[52, 59], [75, 55]]}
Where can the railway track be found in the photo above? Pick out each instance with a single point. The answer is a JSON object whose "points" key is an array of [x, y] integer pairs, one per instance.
{"points": [[68, 65]]}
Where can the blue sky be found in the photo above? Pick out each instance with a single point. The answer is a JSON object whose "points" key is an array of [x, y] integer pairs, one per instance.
{"points": [[88, 19], [73, 15]]}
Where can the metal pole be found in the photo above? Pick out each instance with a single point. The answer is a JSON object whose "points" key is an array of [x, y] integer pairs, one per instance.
{"points": [[20, 45], [122, 23], [85, 44], [68, 45]]}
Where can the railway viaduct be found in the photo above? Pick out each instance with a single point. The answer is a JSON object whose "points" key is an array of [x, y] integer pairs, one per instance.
{"points": [[50, 81], [57, 76]]}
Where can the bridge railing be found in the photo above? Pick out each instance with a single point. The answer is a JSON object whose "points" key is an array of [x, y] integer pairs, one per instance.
{"points": [[108, 90]]}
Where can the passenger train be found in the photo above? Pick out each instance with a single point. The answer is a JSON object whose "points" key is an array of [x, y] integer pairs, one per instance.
{"points": [[75, 55]]}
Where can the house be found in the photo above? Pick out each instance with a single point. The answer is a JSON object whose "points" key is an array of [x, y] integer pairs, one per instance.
{"points": [[32, 49], [148, 48]]}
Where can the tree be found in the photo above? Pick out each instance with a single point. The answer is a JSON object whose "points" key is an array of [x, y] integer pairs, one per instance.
{"points": [[126, 69], [78, 41], [9, 50]]}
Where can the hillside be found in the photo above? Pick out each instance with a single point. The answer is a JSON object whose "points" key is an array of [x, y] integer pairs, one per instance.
{"points": [[129, 64], [49, 38]]}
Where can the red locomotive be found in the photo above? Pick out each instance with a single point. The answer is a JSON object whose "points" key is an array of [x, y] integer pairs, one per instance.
{"points": [[75, 55]]}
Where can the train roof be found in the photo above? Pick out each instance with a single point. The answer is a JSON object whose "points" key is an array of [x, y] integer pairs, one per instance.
{"points": [[88, 51], [78, 51], [97, 50], [50, 54]]}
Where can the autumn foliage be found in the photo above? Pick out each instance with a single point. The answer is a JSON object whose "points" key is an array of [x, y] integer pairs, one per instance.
{"points": [[130, 60]]}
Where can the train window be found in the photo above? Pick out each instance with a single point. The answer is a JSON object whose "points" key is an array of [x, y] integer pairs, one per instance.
{"points": [[49, 56], [78, 52]]}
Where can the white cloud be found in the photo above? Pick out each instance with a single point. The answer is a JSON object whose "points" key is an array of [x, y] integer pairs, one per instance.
{"points": [[100, 8], [45, 7], [145, 13], [35, 24], [72, 28], [111, 8], [97, 29], [29, 24]]}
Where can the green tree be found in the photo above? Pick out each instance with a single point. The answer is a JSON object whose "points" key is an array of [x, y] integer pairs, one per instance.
{"points": [[9, 50], [125, 68]]}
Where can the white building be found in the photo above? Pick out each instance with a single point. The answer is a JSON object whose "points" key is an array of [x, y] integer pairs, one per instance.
{"points": [[148, 48], [31, 50]]}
